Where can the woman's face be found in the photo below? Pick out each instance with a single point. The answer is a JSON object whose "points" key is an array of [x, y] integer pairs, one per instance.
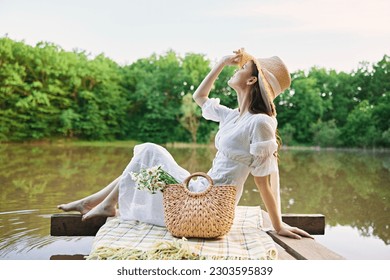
{"points": [[241, 76]]}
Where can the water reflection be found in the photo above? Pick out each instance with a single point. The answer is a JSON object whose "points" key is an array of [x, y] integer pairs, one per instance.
{"points": [[33, 180], [351, 189]]}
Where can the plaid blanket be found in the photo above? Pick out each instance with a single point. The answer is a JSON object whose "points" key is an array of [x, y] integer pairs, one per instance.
{"points": [[136, 240]]}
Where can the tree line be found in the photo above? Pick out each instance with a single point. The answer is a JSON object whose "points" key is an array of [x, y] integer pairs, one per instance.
{"points": [[47, 92]]}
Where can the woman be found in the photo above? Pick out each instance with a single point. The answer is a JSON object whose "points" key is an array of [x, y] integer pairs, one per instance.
{"points": [[246, 143]]}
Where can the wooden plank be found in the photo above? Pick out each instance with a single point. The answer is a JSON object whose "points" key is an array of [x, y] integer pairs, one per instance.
{"points": [[67, 257], [282, 254], [305, 248], [300, 249], [72, 225], [312, 223]]}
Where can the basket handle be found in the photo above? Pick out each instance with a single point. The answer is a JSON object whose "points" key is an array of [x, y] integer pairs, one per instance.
{"points": [[202, 174]]}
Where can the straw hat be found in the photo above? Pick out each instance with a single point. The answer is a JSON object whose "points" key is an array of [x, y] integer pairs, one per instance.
{"points": [[273, 74]]}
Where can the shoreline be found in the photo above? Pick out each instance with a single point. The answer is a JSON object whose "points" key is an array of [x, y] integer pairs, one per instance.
{"points": [[334, 149], [178, 145]]}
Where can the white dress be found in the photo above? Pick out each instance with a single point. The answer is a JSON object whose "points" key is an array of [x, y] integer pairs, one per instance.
{"points": [[245, 144]]}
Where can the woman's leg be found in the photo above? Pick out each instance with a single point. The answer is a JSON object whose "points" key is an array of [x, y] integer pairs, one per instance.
{"points": [[133, 205], [141, 205], [107, 208], [84, 205]]}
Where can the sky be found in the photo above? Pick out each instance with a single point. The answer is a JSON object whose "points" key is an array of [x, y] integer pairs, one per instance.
{"points": [[335, 34]]}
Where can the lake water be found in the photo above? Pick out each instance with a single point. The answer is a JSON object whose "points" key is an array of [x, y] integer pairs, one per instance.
{"points": [[352, 190]]}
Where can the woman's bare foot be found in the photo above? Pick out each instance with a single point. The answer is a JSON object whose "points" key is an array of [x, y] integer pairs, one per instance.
{"points": [[100, 211], [83, 206]]}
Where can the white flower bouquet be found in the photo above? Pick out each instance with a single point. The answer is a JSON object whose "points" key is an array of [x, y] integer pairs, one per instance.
{"points": [[153, 179]]}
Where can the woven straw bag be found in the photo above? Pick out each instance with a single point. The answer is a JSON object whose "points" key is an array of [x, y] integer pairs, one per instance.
{"points": [[207, 214]]}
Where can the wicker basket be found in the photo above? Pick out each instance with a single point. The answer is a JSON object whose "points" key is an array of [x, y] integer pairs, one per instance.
{"points": [[207, 214]]}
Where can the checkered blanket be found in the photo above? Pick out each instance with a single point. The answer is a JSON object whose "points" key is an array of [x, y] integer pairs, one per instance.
{"points": [[135, 240]]}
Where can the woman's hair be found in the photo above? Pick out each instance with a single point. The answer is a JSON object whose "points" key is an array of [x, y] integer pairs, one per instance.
{"points": [[257, 104]]}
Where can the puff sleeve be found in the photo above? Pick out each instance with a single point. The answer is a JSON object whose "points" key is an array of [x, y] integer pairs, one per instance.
{"points": [[212, 110], [263, 148]]}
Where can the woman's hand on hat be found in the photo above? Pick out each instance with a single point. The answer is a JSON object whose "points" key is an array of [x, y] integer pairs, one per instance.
{"points": [[231, 60], [293, 232]]}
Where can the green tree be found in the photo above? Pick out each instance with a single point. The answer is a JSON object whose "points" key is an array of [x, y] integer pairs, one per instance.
{"points": [[190, 119], [157, 84], [47, 92], [361, 129], [326, 134], [300, 107], [287, 134]]}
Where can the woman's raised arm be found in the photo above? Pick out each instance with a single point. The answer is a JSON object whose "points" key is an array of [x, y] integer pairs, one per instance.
{"points": [[202, 92]]}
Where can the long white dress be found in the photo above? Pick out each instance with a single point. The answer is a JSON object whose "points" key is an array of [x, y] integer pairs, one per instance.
{"points": [[245, 144]]}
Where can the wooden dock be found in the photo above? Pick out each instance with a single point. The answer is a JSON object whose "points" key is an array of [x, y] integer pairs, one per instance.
{"points": [[305, 248], [288, 248]]}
